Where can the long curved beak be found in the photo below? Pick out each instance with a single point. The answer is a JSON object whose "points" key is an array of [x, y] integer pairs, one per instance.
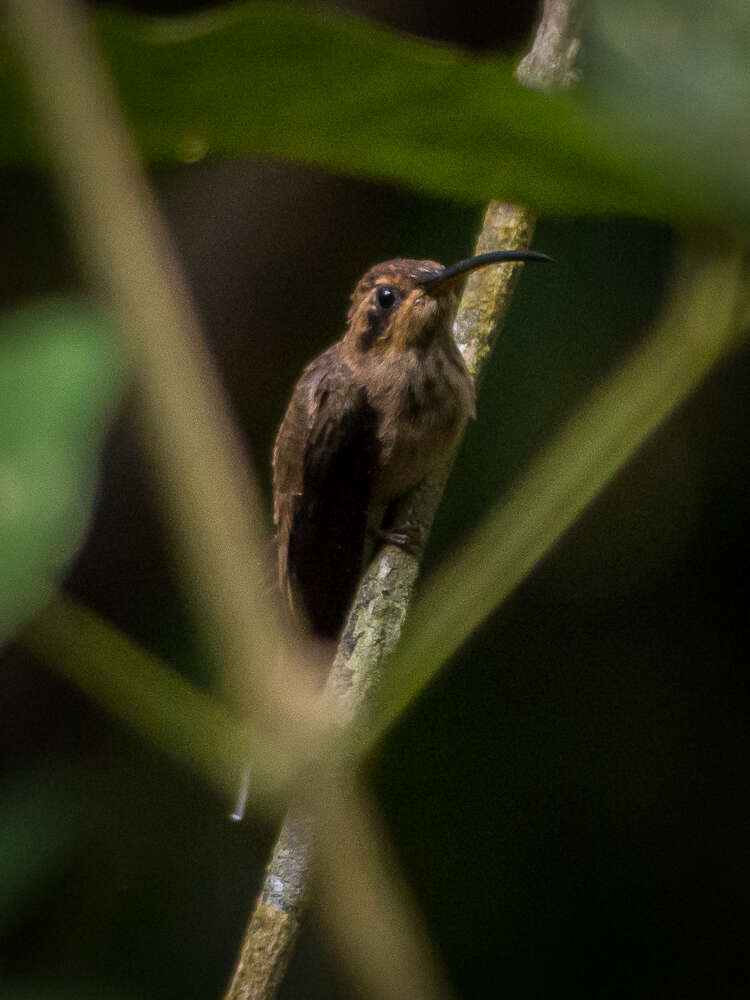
{"points": [[432, 282]]}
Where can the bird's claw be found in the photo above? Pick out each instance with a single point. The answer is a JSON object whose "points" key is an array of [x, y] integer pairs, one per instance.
{"points": [[408, 537]]}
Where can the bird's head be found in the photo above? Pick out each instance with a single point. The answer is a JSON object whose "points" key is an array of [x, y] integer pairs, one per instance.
{"points": [[403, 304]]}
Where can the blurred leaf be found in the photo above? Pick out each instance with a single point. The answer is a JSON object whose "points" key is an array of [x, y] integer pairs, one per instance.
{"points": [[159, 704], [697, 329], [59, 378], [680, 71], [328, 89]]}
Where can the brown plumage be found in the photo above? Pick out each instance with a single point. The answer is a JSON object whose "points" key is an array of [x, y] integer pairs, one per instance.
{"points": [[367, 421]]}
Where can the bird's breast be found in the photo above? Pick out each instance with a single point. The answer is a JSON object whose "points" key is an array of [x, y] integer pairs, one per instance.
{"points": [[423, 404]]}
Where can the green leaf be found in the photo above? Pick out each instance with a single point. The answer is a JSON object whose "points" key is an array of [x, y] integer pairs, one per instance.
{"points": [[332, 90], [60, 373], [155, 701], [679, 72]]}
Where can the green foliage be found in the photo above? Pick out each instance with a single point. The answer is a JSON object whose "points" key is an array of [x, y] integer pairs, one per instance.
{"points": [[342, 93], [60, 372], [677, 71], [109, 667], [658, 130], [327, 89]]}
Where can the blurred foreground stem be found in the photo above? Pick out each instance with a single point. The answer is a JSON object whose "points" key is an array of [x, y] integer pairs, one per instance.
{"points": [[207, 486]]}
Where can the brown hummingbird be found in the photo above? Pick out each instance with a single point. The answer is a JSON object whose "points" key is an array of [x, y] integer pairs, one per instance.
{"points": [[367, 421]]}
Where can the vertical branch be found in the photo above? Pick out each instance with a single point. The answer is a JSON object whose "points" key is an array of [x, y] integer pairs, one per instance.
{"points": [[379, 610], [552, 61], [275, 921]]}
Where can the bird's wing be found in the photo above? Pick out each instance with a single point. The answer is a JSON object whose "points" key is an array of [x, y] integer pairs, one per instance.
{"points": [[324, 460]]}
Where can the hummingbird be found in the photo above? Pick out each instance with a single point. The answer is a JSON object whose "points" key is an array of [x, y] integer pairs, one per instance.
{"points": [[368, 420]]}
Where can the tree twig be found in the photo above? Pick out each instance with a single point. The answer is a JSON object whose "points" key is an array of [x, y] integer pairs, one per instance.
{"points": [[377, 616]]}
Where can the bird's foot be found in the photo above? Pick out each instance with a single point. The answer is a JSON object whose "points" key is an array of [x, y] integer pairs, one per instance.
{"points": [[409, 537]]}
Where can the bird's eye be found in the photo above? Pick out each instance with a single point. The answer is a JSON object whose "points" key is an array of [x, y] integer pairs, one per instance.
{"points": [[386, 297]]}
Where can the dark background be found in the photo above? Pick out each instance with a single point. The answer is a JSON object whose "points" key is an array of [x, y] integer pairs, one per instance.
{"points": [[570, 798]]}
